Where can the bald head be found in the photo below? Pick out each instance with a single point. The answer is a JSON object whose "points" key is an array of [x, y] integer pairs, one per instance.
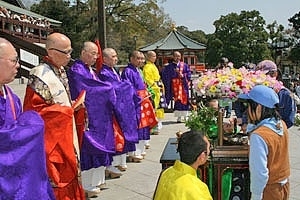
{"points": [[89, 45], [176, 53], [151, 56], [137, 58], [54, 40], [9, 62], [4, 44], [135, 53], [89, 53], [110, 57], [176, 56], [59, 49], [108, 51]]}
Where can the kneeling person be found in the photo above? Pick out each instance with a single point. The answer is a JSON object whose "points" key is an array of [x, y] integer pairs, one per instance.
{"points": [[180, 181]]}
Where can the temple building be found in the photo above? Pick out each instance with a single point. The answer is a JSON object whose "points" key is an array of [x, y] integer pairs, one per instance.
{"points": [[190, 50]]}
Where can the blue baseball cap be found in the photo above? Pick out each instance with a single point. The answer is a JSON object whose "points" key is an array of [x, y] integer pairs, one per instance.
{"points": [[263, 95]]}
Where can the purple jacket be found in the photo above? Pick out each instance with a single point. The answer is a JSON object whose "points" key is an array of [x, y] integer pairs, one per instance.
{"points": [[168, 73], [132, 74], [22, 152], [98, 141]]}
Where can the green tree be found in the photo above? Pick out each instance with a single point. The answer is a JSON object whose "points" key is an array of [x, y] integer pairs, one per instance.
{"points": [[279, 40], [55, 9], [66, 13], [295, 50], [295, 21], [213, 51], [239, 37], [129, 24], [134, 25]]}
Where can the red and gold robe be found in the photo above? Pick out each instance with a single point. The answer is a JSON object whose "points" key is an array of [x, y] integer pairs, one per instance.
{"points": [[47, 94]]}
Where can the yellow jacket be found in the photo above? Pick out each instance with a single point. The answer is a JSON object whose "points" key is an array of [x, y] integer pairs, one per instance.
{"points": [[151, 76], [180, 182]]}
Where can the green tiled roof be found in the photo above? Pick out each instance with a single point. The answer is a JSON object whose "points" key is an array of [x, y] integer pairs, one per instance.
{"points": [[174, 41]]}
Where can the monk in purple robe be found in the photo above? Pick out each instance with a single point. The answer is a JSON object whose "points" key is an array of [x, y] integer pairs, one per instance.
{"points": [[22, 157], [176, 77], [98, 142], [145, 110], [125, 111]]}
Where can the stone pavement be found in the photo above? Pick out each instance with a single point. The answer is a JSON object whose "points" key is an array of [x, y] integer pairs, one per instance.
{"points": [[139, 181]]}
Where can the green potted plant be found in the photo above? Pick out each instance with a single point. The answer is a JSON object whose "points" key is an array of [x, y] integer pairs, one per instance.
{"points": [[203, 119]]}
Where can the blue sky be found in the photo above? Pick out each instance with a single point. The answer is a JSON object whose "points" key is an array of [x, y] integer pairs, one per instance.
{"points": [[200, 14]]}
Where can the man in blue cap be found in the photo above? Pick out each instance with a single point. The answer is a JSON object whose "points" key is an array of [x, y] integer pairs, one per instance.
{"points": [[268, 155]]}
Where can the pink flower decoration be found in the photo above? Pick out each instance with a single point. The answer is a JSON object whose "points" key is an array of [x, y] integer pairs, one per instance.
{"points": [[232, 82]]}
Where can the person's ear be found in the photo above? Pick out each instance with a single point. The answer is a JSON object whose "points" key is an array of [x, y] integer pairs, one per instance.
{"points": [[50, 53], [202, 157]]}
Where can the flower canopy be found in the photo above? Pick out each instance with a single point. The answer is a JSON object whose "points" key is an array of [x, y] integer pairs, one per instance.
{"points": [[232, 82]]}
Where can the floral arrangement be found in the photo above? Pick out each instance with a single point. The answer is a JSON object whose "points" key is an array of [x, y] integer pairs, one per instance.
{"points": [[232, 82]]}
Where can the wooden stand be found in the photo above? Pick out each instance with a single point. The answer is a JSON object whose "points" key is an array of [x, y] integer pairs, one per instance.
{"points": [[233, 157]]}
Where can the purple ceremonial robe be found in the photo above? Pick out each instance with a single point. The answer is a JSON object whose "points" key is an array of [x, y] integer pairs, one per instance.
{"points": [[125, 110], [168, 73], [23, 172], [132, 74], [98, 141]]}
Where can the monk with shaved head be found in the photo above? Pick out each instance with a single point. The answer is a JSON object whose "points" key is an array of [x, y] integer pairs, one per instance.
{"points": [[22, 160], [48, 93]]}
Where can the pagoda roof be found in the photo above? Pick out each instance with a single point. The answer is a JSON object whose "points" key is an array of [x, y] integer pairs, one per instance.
{"points": [[174, 41]]}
